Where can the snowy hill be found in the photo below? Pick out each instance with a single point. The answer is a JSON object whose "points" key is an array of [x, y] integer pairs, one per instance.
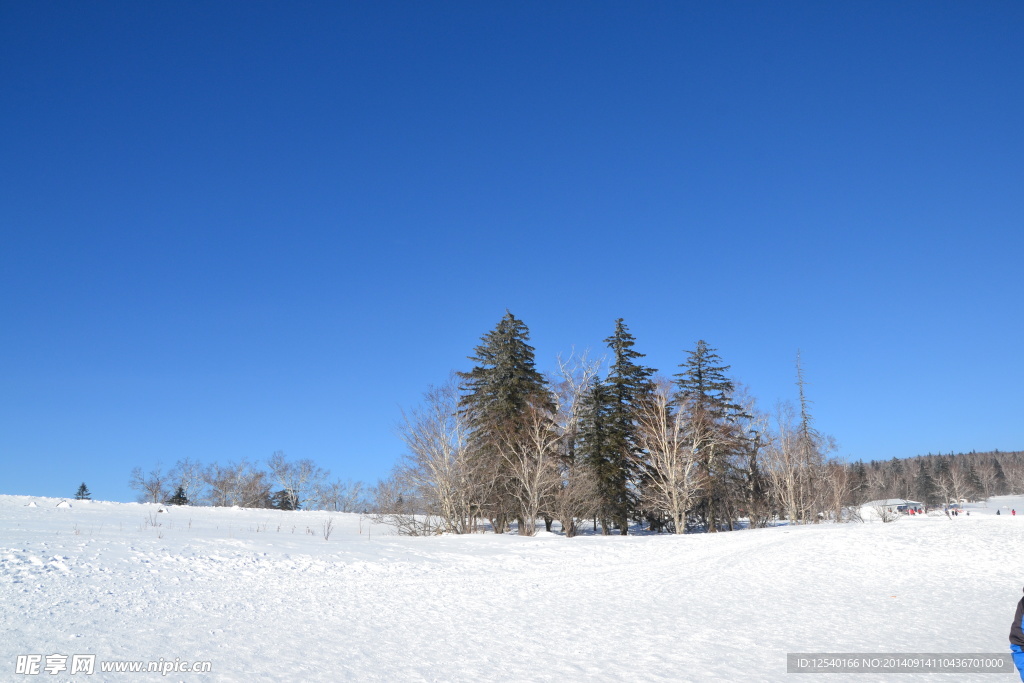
{"points": [[261, 595]]}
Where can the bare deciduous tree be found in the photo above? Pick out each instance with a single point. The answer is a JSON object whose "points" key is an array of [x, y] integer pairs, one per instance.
{"points": [[152, 486], [957, 482], [530, 451], [673, 439], [576, 497], [1014, 472], [188, 474], [836, 489], [240, 484], [299, 479], [436, 487], [400, 509], [877, 485], [436, 471], [886, 513], [783, 467], [795, 466], [340, 496], [944, 488]]}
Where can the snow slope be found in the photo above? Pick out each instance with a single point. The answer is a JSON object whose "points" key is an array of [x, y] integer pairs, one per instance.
{"points": [[263, 596]]}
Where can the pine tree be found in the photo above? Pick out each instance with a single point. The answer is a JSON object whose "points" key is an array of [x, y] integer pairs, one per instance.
{"points": [[83, 493], [812, 450], [703, 383], [925, 485], [810, 439], [974, 482], [179, 497], [943, 479], [282, 500], [506, 381], [500, 393], [859, 482], [1001, 487], [597, 446], [708, 396], [897, 487], [627, 383]]}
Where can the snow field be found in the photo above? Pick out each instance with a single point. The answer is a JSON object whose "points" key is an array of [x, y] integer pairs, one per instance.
{"points": [[264, 597]]}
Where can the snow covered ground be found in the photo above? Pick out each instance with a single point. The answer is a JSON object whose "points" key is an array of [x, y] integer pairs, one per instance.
{"points": [[262, 595]]}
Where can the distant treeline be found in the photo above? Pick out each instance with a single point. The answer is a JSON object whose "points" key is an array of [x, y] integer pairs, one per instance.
{"points": [[940, 479], [282, 484]]}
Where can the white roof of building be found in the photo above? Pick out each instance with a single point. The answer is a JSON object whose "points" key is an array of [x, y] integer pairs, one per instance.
{"points": [[892, 501]]}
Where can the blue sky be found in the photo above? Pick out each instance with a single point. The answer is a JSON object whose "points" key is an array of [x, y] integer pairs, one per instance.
{"points": [[233, 228]]}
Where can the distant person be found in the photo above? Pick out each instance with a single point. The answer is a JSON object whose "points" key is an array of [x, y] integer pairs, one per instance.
{"points": [[1017, 639], [1013, 513]]}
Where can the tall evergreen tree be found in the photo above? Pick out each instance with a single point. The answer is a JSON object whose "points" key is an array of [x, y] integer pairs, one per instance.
{"points": [[1001, 487], [83, 493], [498, 394], [703, 383], [810, 439], [926, 491], [942, 474], [708, 396], [628, 383], [974, 481], [897, 488], [859, 482], [505, 380], [597, 446]]}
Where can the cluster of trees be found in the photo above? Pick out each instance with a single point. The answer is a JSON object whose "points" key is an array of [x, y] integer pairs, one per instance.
{"points": [[619, 448], [282, 484], [939, 479], [614, 443]]}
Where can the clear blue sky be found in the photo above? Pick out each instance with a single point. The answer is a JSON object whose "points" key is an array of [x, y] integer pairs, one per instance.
{"points": [[230, 228]]}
